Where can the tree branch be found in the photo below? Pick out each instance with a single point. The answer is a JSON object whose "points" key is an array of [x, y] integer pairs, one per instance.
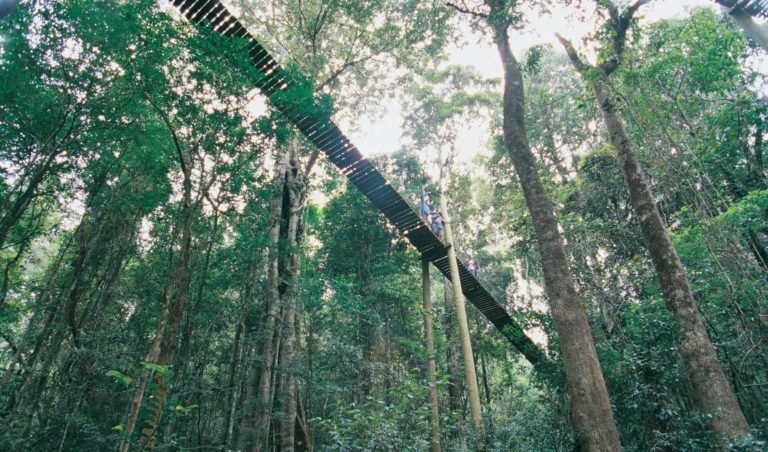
{"points": [[572, 54], [349, 63], [465, 10], [632, 9], [9, 340], [619, 24], [167, 122]]}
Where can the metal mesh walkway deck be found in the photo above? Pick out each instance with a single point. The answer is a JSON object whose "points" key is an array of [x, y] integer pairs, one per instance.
{"points": [[338, 148], [755, 8]]}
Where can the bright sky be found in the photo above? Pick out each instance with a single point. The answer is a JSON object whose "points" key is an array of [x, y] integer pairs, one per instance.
{"points": [[384, 135]]}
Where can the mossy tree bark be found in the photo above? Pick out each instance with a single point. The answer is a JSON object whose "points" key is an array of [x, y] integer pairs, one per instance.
{"points": [[273, 379]]}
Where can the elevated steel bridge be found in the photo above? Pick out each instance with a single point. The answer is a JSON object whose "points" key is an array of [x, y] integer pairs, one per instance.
{"points": [[275, 82]]}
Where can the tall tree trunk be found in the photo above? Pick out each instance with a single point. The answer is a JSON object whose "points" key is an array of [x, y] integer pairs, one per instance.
{"points": [[165, 344], [711, 391], [278, 351], [429, 338], [296, 191], [180, 362], [254, 429], [187, 328], [230, 401], [590, 406], [473, 393], [88, 238]]}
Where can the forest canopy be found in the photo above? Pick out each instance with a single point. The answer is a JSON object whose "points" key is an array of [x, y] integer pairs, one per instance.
{"points": [[185, 264]]}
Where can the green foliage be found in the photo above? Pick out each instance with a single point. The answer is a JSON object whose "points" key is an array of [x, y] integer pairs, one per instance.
{"points": [[157, 368], [445, 102], [532, 60], [92, 96], [119, 377], [751, 212], [397, 422]]}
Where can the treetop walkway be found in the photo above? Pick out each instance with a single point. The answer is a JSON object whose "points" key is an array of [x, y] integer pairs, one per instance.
{"points": [[274, 82]]}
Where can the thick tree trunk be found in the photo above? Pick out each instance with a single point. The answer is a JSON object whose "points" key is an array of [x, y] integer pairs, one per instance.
{"points": [[711, 391], [278, 351], [473, 393], [254, 428], [184, 355], [138, 395], [169, 342], [296, 191], [590, 406], [429, 338]]}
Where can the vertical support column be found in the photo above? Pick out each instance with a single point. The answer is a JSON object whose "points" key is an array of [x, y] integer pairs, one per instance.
{"points": [[473, 393], [430, 343]]}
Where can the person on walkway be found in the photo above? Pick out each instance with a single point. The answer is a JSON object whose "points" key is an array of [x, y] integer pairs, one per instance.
{"points": [[472, 265], [424, 211], [437, 224]]}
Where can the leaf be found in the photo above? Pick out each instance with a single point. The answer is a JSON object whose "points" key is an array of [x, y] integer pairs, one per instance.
{"points": [[119, 377], [159, 368]]}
